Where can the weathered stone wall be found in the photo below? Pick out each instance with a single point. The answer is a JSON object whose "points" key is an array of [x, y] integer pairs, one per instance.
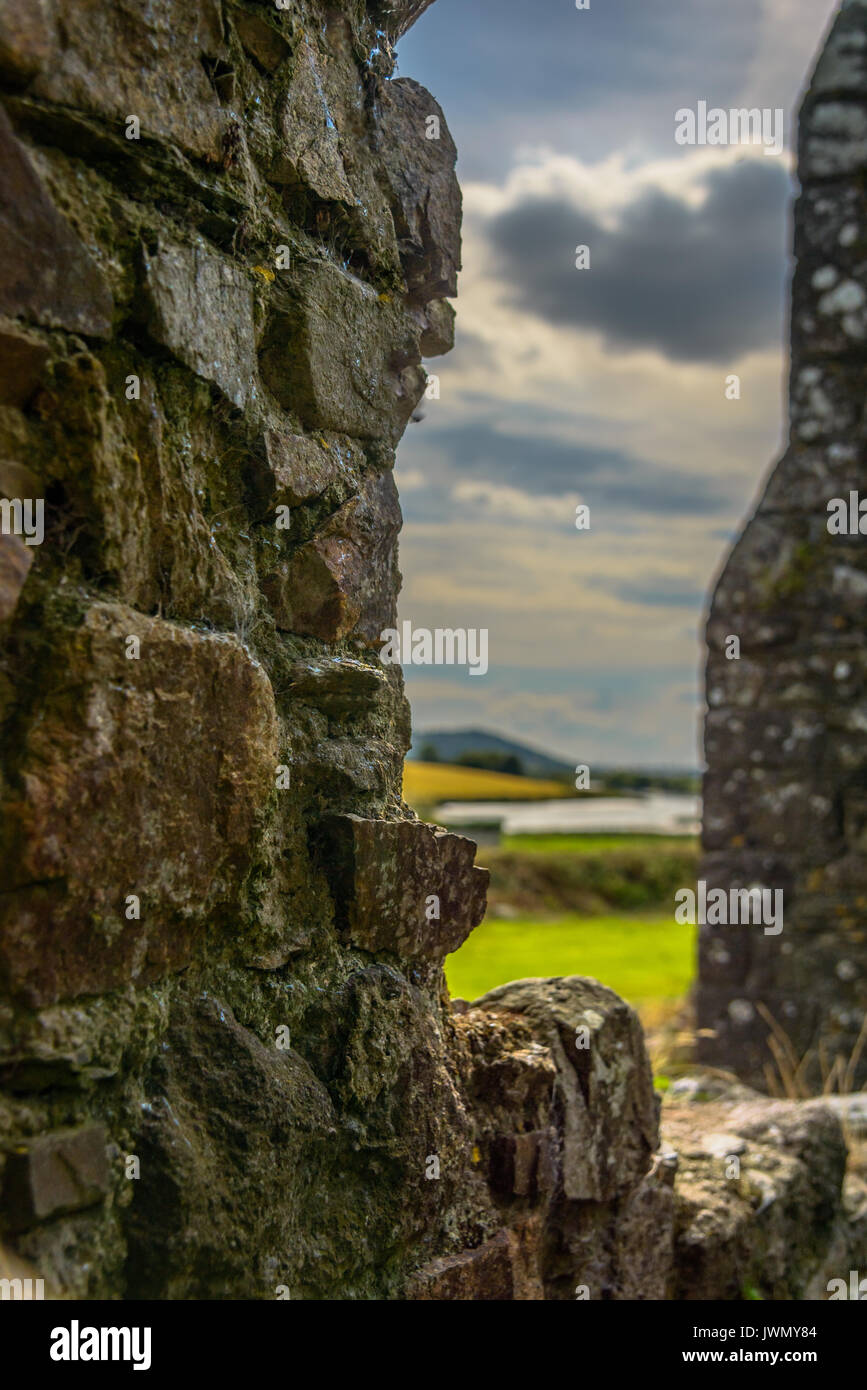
{"points": [[229, 1067], [786, 787], [227, 1061]]}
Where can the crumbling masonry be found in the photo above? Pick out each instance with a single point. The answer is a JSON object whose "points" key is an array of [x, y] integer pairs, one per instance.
{"points": [[786, 732], [228, 1063]]}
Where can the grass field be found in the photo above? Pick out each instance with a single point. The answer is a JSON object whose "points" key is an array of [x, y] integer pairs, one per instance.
{"points": [[595, 844], [546, 876], [426, 784], [647, 960]]}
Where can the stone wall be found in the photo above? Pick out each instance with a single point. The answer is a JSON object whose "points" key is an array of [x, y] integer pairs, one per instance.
{"points": [[786, 787], [228, 1066]]}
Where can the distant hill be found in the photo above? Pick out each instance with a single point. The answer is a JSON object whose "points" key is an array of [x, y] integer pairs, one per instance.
{"points": [[451, 745], [426, 785]]}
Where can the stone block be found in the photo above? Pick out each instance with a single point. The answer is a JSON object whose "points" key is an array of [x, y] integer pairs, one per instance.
{"points": [[15, 560], [341, 356], [504, 1268], [397, 16], [338, 684], [46, 274], [343, 580], [262, 37], [301, 468], [27, 38], [605, 1083], [382, 876], [425, 197], [438, 328], [22, 362], [231, 1123], [200, 307], [756, 1206], [59, 1172], [140, 777], [309, 144], [140, 58]]}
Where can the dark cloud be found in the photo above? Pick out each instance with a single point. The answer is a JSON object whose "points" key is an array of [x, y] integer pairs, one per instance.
{"points": [[698, 284], [655, 591], [609, 479], [530, 71]]}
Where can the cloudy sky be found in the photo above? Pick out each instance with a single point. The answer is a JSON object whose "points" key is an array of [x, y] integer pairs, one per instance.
{"points": [[603, 386]]}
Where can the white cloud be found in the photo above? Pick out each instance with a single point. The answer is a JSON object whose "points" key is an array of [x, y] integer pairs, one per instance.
{"points": [[556, 600], [579, 664], [513, 504], [604, 189]]}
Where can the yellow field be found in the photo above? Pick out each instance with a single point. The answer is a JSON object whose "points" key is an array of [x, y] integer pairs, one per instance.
{"points": [[426, 784]]}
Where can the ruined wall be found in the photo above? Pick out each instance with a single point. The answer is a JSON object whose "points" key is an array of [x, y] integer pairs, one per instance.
{"points": [[786, 787], [228, 1067]]}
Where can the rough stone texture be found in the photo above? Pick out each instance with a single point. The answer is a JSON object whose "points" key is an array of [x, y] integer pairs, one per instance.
{"points": [[343, 579], [314, 161], [15, 561], [761, 1208], [129, 786], [228, 1067], [497, 1270], [382, 876], [57, 1173], [299, 468], [22, 360], [25, 37], [399, 15], [610, 1128], [135, 57], [47, 275], [262, 39], [564, 1139], [218, 1092], [427, 201], [201, 309], [344, 357], [785, 803]]}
